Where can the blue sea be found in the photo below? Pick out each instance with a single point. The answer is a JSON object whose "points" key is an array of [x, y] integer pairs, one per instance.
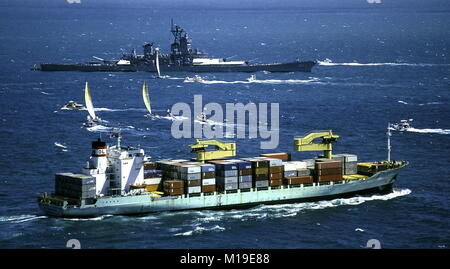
{"points": [[376, 64]]}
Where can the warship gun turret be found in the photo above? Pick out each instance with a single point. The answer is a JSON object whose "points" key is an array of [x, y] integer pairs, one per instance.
{"points": [[182, 58]]}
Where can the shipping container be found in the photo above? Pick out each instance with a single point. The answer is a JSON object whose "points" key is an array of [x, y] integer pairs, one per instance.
{"points": [[275, 176], [328, 171], [194, 183], [190, 176], [276, 182], [245, 185], [328, 164], [227, 187], [303, 172], [261, 183], [189, 169], [150, 166], [208, 168], [261, 171], [329, 178], [173, 192], [173, 184], [226, 180], [208, 175], [223, 166], [208, 188], [227, 173], [245, 172], [309, 162], [276, 169], [261, 177], [194, 189], [152, 181], [243, 164], [153, 187], [294, 165], [298, 180], [282, 156], [208, 181], [290, 173], [245, 178]]}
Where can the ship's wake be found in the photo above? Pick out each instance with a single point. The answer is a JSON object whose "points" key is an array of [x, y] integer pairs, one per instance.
{"points": [[328, 62], [260, 81], [213, 221], [429, 131], [20, 218]]}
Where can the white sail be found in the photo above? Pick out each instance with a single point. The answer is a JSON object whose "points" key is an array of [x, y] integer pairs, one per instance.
{"points": [[88, 101], [146, 97], [157, 64]]}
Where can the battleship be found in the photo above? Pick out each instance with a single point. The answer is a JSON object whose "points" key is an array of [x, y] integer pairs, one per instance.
{"points": [[119, 180], [183, 58]]}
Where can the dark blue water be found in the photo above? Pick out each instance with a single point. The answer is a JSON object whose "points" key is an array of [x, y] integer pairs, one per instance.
{"points": [[377, 66]]}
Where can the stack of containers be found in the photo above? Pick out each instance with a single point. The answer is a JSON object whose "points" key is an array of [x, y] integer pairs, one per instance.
{"points": [[350, 164], [173, 187], [245, 178], [276, 169], [226, 175], [208, 176], [191, 175], [296, 172], [260, 170], [75, 185], [152, 177], [327, 170]]}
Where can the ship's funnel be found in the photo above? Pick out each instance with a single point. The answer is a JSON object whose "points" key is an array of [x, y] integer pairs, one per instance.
{"points": [[98, 148]]}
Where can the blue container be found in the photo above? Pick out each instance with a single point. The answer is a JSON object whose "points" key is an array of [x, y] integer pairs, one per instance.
{"points": [[208, 168], [243, 165], [226, 166]]}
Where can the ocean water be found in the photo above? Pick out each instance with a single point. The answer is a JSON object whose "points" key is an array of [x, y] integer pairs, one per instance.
{"points": [[375, 66]]}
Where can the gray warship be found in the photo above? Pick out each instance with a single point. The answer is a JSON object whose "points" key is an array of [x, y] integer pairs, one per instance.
{"points": [[120, 180], [183, 58]]}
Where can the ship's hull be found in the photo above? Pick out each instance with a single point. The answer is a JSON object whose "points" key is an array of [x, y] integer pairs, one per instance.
{"points": [[248, 68], [142, 204]]}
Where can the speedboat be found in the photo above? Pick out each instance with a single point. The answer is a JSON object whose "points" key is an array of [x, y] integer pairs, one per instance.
{"points": [[72, 105], [251, 78], [196, 78], [402, 126]]}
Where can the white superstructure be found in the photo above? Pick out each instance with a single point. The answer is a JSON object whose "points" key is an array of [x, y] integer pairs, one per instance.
{"points": [[215, 61]]}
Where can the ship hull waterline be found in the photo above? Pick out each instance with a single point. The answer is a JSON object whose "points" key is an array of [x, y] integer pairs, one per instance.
{"points": [[278, 67], [381, 182]]}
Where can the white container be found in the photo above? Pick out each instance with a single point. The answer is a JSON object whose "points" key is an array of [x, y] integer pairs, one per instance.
{"points": [[274, 162], [196, 189], [152, 181], [208, 181], [190, 169]]}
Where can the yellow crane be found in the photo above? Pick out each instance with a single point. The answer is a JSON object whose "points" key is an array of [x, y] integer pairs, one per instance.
{"points": [[306, 143], [221, 150]]}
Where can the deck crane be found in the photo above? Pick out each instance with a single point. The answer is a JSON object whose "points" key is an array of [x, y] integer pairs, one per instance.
{"points": [[222, 149], [306, 143]]}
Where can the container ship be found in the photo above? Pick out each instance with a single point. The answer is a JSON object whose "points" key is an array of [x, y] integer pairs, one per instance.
{"points": [[183, 58], [118, 180]]}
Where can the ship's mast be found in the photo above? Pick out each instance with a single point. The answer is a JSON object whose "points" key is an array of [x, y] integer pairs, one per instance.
{"points": [[389, 134]]}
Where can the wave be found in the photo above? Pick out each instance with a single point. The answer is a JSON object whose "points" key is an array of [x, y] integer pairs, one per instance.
{"points": [[21, 218], [89, 219], [100, 128], [200, 230], [291, 210], [59, 145], [328, 62], [261, 81], [402, 102], [118, 110], [429, 131]]}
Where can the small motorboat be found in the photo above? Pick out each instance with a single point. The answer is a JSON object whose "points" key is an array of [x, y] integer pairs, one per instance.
{"points": [[196, 78], [72, 105], [251, 78], [402, 126]]}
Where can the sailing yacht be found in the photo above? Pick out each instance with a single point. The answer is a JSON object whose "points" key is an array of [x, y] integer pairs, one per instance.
{"points": [[92, 120]]}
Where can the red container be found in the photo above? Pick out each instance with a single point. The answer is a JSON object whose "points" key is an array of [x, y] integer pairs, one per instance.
{"points": [[298, 180]]}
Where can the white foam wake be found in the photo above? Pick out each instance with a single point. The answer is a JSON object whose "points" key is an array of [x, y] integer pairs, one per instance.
{"points": [[429, 131], [261, 81], [200, 230], [59, 145], [328, 62], [21, 218], [290, 210]]}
